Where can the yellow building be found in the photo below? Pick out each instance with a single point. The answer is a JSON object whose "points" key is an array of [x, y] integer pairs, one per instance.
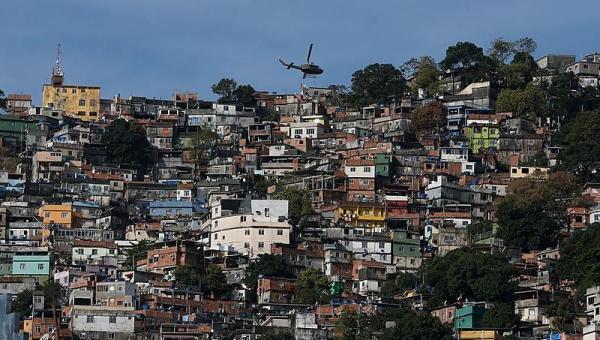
{"points": [[78, 101], [82, 102], [362, 214], [59, 215], [478, 334]]}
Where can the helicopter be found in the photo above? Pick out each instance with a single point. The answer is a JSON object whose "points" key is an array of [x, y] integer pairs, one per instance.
{"points": [[307, 69]]}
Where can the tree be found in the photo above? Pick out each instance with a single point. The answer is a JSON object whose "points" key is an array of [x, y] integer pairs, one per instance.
{"points": [[312, 286], [527, 103], [518, 74], [426, 77], [273, 334], [580, 257], [348, 326], [137, 252], [2, 100], [478, 228], [245, 95], [468, 274], [533, 214], [401, 283], [214, 282], [562, 312], [468, 59], [127, 145], [225, 89], [266, 265], [54, 296], [299, 204], [377, 84], [502, 315], [429, 119], [187, 276], [581, 141], [204, 147], [23, 302], [410, 325], [502, 50]]}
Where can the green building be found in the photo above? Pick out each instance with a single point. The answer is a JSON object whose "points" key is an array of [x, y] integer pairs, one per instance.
{"points": [[384, 165], [482, 136], [406, 249], [469, 317], [37, 266]]}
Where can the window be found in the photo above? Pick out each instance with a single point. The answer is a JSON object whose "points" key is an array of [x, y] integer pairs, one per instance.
{"points": [[94, 251], [22, 266], [367, 169], [216, 236], [81, 102], [74, 91], [364, 244], [243, 219], [92, 102], [40, 266], [261, 244], [90, 319], [261, 231], [310, 131], [352, 169], [246, 245], [525, 170], [64, 214], [112, 319], [279, 232], [381, 245], [38, 329], [247, 232]]}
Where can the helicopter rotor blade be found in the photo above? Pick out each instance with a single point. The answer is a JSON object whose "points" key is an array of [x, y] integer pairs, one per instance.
{"points": [[309, 53]]}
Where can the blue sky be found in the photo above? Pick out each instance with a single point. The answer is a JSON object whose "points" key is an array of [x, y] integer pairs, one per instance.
{"points": [[154, 47]]}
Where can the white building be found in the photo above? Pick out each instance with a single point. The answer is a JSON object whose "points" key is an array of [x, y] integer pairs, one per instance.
{"points": [[306, 130], [249, 226], [102, 322]]}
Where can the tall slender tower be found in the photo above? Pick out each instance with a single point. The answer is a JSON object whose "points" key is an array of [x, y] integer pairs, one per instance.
{"points": [[57, 72]]}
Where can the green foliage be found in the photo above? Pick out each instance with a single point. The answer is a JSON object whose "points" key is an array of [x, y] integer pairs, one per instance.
{"points": [[502, 315], [23, 302], [528, 102], [299, 204], [204, 146], [348, 326], [54, 294], [518, 73], [187, 276], [428, 119], [3, 100], [562, 312], [469, 60], [377, 84], [260, 184], [225, 89], [214, 282], [229, 92], [581, 139], [245, 95], [312, 286], [411, 325], [502, 50], [402, 282], [468, 274], [127, 145], [580, 258], [479, 227], [340, 95], [266, 265], [273, 334], [532, 216], [137, 252], [426, 76]]}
